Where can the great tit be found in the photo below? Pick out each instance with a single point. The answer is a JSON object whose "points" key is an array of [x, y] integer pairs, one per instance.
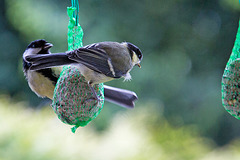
{"points": [[98, 62], [43, 81]]}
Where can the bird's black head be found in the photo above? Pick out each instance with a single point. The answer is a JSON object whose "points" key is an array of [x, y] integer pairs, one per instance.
{"points": [[132, 48], [40, 44], [135, 54]]}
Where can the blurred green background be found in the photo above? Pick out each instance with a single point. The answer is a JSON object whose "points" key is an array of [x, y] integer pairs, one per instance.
{"points": [[179, 115]]}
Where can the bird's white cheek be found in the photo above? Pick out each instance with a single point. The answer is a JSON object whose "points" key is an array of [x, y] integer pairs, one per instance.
{"points": [[135, 59]]}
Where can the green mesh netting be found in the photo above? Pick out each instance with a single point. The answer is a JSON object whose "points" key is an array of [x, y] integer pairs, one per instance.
{"points": [[231, 80], [73, 100]]}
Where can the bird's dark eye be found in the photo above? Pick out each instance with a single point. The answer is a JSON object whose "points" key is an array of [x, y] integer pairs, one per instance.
{"points": [[140, 55]]}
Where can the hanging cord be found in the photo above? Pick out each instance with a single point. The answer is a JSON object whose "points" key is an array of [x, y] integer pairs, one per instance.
{"points": [[75, 32], [75, 5]]}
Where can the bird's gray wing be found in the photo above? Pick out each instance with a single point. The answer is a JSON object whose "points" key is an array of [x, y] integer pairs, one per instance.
{"points": [[95, 59]]}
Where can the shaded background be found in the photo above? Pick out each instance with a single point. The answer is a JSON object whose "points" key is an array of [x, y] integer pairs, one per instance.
{"points": [[179, 115]]}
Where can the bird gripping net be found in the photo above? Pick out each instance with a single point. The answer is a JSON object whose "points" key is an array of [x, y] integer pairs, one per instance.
{"points": [[73, 100], [231, 80]]}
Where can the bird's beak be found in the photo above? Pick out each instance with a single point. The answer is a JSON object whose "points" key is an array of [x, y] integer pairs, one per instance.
{"points": [[138, 64], [48, 45]]}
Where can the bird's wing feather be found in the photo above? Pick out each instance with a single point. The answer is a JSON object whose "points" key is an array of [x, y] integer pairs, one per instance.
{"points": [[95, 59]]}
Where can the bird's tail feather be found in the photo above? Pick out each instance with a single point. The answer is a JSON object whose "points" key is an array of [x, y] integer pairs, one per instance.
{"points": [[122, 97], [48, 60]]}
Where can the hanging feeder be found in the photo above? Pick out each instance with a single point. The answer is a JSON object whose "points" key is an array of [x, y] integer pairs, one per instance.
{"points": [[73, 100], [231, 81]]}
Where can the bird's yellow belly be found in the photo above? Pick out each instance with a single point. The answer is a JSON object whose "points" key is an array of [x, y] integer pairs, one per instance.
{"points": [[39, 84], [93, 77]]}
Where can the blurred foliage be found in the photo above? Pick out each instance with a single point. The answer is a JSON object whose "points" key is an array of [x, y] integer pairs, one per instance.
{"points": [[141, 134], [185, 43], [37, 134]]}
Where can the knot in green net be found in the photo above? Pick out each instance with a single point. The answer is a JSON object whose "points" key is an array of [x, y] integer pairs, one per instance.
{"points": [[73, 100], [231, 81]]}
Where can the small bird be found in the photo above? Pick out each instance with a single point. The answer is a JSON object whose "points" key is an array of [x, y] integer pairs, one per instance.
{"points": [[43, 81], [98, 62]]}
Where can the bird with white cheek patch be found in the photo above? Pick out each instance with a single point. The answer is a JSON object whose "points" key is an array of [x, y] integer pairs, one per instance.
{"points": [[98, 62]]}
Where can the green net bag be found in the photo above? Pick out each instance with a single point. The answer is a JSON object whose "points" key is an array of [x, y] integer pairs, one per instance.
{"points": [[73, 100], [231, 81]]}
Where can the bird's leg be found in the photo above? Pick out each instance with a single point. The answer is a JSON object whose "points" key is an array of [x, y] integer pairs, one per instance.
{"points": [[93, 91]]}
